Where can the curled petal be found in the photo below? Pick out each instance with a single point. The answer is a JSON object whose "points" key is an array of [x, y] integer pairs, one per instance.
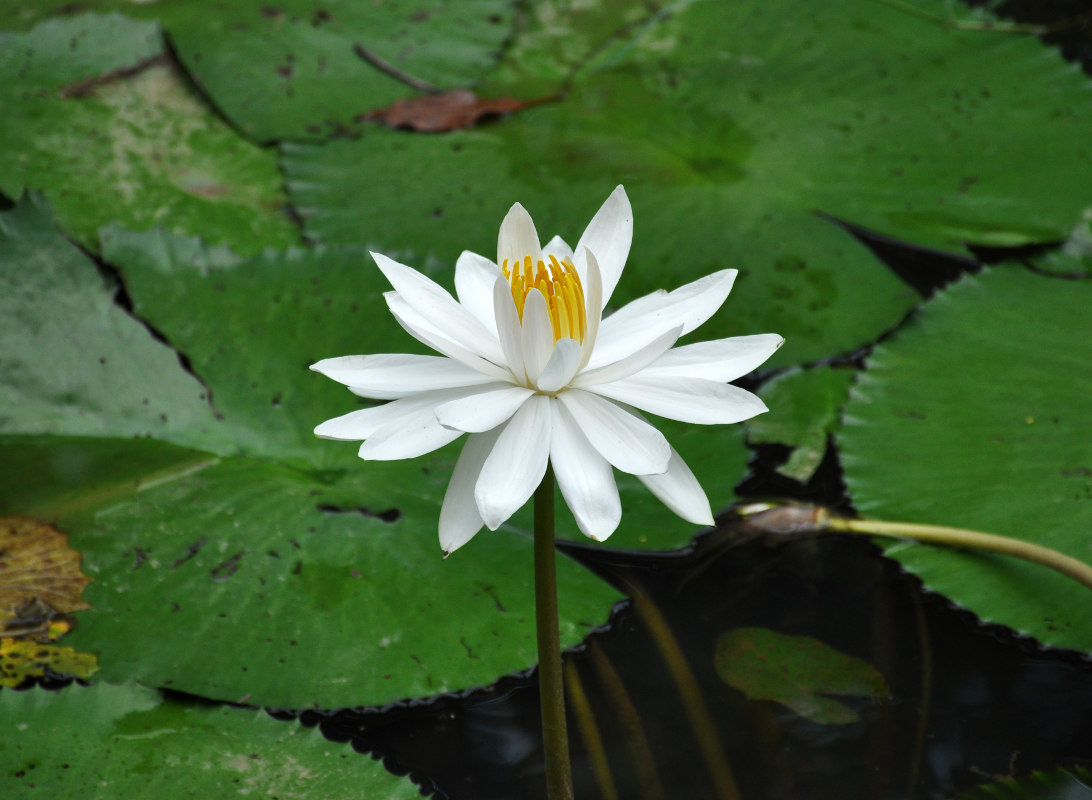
{"points": [[518, 238], [517, 463], [694, 400], [459, 517], [609, 236], [585, 478]]}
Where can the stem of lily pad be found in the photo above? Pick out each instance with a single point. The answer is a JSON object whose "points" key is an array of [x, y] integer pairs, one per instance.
{"points": [[792, 518], [555, 736], [974, 540]]}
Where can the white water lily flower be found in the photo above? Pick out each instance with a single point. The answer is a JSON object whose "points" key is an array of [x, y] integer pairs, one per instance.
{"points": [[531, 369]]}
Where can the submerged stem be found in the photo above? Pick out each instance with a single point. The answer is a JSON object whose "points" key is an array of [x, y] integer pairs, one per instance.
{"points": [[555, 738]]}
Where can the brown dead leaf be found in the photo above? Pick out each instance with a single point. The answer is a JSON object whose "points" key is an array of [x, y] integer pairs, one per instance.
{"points": [[39, 574], [445, 111]]}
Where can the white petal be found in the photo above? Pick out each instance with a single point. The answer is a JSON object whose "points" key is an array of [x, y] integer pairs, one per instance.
{"points": [[651, 315], [385, 376], [432, 302], [556, 247], [694, 400], [561, 367], [483, 411], [621, 437], [366, 422], [585, 477], [474, 278], [538, 335], [508, 328], [593, 308], [518, 237], [515, 468], [408, 438], [423, 331], [459, 517], [680, 491], [631, 364], [608, 236], [720, 360]]}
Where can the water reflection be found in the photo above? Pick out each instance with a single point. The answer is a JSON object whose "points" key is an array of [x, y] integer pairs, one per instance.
{"points": [[967, 704]]}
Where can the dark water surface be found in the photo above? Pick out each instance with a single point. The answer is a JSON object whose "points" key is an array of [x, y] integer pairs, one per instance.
{"points": [[968, 704]]}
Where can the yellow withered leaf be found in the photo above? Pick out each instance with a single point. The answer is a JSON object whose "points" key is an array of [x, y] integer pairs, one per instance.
{"points": [[39, 573]]}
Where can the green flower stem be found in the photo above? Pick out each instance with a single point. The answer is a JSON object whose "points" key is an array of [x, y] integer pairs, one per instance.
{"points": [[958, 537], [555, 735]]}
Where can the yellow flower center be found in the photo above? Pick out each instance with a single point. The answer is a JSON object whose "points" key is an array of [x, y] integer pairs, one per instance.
{"points": [[560, 284]]}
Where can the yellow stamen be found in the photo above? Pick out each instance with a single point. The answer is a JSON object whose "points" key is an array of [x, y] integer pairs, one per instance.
{"points": [[559, 284]]}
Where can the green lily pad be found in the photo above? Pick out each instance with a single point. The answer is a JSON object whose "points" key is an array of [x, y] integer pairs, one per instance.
{"points": [[93, 114], [796, 671], [805, 408], [1058, 784], [74, 362], [730, 126], [1074, 257], [128, 741], [972, 415], [286, 572], [293, 69]]}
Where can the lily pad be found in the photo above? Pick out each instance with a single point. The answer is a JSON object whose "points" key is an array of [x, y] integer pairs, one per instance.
{"points": [[796, 671], [94, 114], [972, 415], [304, 69], [805, 408], [297, 575], [128, 741], [731, 125]]}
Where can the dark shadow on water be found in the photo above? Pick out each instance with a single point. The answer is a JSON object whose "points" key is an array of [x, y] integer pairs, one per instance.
{"points": [[968, 702]]}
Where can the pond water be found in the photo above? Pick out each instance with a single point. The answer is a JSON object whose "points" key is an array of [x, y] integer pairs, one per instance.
{"points": [[967, 703]]}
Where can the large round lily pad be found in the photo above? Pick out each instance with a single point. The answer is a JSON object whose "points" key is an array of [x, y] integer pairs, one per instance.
{"points": [[974, 415]]}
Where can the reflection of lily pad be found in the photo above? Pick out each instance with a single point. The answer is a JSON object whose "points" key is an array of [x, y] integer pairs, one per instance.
{"points": [[796, 671], [975, 415], [805, 406], [128, 741]]}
